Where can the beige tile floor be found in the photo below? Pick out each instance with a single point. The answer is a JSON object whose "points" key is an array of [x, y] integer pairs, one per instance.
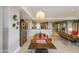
{"points": [[62, 46]]}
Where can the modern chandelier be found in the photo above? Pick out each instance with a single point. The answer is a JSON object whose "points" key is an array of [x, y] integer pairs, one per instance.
{"points": [[40, 15]]}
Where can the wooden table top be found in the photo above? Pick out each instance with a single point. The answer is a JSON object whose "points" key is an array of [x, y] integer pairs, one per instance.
{"points": [[46, 45]]}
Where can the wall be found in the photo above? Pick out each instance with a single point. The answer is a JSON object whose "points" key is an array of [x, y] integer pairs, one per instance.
{"points": [[14, 34], [50, 25], [69, 26], [5, 29], [10, 35], [1, 29]]}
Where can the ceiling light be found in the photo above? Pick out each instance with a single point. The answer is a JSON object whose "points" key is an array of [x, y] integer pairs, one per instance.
{"points": [[40, 15]]}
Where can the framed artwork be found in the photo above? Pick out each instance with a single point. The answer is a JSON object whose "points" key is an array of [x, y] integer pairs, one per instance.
{"points": [[44, 25]]}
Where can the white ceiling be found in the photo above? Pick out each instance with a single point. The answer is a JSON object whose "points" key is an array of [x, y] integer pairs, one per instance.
{"points": [[54, 12]]}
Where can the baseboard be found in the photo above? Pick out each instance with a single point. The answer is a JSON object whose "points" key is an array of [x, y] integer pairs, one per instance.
{"points": [[17, 50]]}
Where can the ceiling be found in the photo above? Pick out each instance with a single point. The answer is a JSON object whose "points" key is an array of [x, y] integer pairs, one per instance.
{"points": [[54, 12]]}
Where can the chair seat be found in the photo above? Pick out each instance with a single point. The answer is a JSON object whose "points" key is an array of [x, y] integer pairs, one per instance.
{"points": [[41, 41]]}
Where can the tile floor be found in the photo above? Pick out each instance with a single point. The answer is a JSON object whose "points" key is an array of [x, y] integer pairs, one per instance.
{"points": [[61, 45]]}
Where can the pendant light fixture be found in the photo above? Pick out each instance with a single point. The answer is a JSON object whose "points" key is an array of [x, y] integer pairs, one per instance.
{"points": [[40, 15]]}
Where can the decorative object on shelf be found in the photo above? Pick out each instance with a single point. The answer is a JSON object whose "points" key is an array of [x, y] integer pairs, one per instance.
{"points": [[13, 25], [15, 17]]}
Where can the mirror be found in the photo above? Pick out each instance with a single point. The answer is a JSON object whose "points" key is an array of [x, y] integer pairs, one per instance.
{"points": [[15, 18]]}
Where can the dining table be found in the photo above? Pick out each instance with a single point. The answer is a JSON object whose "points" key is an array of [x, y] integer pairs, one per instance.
{"points": [[41, 44]]}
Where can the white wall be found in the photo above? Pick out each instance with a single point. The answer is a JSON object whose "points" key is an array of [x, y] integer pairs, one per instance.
{"points": [[1, 29], [30, 25], [69, 26], [14, 34], [11, 35], [50, 25], [5, 29]]}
